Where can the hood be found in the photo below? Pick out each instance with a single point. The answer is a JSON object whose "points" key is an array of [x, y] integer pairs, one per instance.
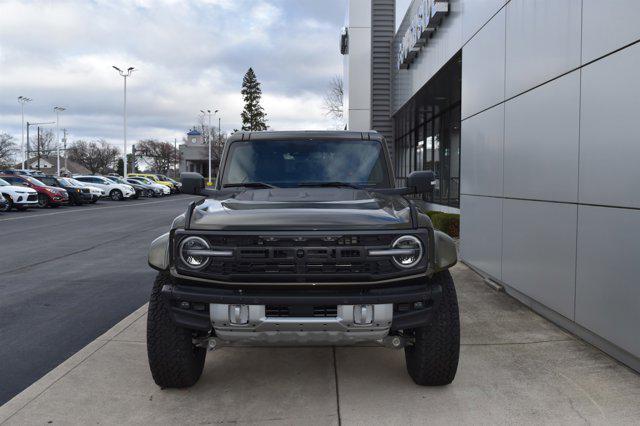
{"points": [[17, 188], [303, 209]]}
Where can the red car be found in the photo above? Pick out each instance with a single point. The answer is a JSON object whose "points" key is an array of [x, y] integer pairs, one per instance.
{"points": [[48, 196]]}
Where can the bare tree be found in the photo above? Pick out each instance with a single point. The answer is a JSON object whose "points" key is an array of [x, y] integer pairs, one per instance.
{"points": [[98, 156], [8, 149], [334, 97], [161, 156], [47, 143]]}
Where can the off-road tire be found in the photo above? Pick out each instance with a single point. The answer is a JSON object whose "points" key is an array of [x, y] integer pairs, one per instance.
{"points": [[432, 359], [174, 360]]}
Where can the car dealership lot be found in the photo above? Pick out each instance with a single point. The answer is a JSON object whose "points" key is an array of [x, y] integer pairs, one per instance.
{"points": [[68, 275], [515, 368]]}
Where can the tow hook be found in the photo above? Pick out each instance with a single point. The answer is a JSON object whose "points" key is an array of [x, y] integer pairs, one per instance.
{"points": [[394, 342], [208, 342]]}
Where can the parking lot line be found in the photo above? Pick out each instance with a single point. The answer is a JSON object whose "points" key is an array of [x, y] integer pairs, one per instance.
{"points": [[97, 208]]}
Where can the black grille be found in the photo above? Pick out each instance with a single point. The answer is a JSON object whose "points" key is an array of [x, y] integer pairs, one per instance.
{"points": [[85, 190], [298, 259], [32, 197], [301, 311]]}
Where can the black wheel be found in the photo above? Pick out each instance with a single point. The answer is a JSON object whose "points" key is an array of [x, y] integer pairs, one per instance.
{"points": [[7, 207], [43, 201], [116, 195], [174, 360], [432, 359]]}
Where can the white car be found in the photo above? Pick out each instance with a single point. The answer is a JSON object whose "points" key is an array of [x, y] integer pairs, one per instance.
{"points": [[18, 197], [96, 193], [146, 181], [113, 190]]}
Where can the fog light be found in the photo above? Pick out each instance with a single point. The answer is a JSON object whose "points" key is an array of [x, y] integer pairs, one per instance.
{"points": [[239, 314], [185, 305], [363, 314]]}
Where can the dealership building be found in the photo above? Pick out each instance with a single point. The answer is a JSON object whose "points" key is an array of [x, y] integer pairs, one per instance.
{"points": [[527, 111]]}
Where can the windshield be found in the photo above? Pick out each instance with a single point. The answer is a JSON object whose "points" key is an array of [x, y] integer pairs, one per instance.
{"points": [[293, 163], [34, 181], [74, 182], [4, 182]]}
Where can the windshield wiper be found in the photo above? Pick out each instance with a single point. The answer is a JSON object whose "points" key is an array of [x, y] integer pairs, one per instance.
{"points": [[331, 185], [248, 185]]}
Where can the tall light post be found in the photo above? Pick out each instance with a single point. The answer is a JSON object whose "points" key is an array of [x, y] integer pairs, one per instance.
{"points": [[125, 74], [208, 112], [23, 100], [58, 110]]}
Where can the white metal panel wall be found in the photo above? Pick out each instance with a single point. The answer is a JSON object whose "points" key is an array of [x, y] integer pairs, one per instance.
{"points": [[608, 287], [607, 26], [541, 142], [483, 68], [476, 13], [609, 143], [543, 41], [482, 137], [358, 69], [481, 226], [539, 251]]}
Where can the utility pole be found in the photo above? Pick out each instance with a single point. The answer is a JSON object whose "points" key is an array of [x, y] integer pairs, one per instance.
{"points": [[23, 100], [125, 74], [209, 139], [38, 143]]}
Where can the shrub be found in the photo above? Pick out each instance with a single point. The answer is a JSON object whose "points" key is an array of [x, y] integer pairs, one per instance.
{"points": [[449, 223]]}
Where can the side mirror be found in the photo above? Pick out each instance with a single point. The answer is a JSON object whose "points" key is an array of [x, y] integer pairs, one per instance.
{"points": [[192, 183], [421, 182]]}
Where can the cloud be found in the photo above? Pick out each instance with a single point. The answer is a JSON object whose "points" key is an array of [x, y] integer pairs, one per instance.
{"points": [[188, 55]]}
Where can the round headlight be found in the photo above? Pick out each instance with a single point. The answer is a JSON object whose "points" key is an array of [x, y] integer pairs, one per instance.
{"points": [[194, 243], [413, 246]]}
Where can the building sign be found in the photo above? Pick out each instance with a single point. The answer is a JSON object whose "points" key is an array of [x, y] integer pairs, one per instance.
{"points": [[424, 22]]}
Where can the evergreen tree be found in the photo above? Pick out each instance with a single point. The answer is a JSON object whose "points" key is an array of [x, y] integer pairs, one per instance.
{"points": [[253, 116]]}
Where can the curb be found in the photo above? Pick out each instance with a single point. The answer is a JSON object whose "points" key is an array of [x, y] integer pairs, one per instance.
{"points": [[20, 401]]}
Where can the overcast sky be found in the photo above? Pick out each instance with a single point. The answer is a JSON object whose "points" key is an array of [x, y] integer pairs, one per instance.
{"points": [[188, 55]]}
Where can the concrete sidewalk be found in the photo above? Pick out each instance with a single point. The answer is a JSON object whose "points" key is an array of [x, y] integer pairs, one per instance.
{"points": [[515, 367]]}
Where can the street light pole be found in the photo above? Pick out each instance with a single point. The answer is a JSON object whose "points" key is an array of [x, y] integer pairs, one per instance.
{"points": [[58, 110], [208, 139], [23, 100], [125, 74]]}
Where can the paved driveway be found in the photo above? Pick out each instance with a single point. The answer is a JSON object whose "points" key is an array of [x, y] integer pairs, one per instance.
{"points": [[515, 367], [69, 274]]}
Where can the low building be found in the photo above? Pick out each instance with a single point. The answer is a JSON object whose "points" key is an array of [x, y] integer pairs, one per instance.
{"points": [[48, 165], [194, 154], [527, 113]]}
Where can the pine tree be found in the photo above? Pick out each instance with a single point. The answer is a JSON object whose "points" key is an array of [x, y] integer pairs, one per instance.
{"points": [[253, 116]]}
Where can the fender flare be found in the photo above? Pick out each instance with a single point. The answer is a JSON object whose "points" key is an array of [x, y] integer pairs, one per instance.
{"points": [[446, 253], [159, 253]]}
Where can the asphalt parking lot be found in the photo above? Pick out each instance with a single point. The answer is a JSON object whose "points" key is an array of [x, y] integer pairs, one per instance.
{"points": [[68, 275]]}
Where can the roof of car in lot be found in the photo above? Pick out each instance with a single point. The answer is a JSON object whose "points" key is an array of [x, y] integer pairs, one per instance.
{"points": [[306, 135]]}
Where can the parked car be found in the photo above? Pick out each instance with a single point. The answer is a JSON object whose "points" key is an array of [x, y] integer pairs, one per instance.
{"points": [[18, 197], [96, 193], [48, 196], [177, 184], [78, 195], [158, 189], [155, 178], [115, 191], [140, 190], [148, 190]]}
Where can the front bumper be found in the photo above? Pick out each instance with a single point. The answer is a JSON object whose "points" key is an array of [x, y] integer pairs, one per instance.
{"points": [[193, 306]]}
